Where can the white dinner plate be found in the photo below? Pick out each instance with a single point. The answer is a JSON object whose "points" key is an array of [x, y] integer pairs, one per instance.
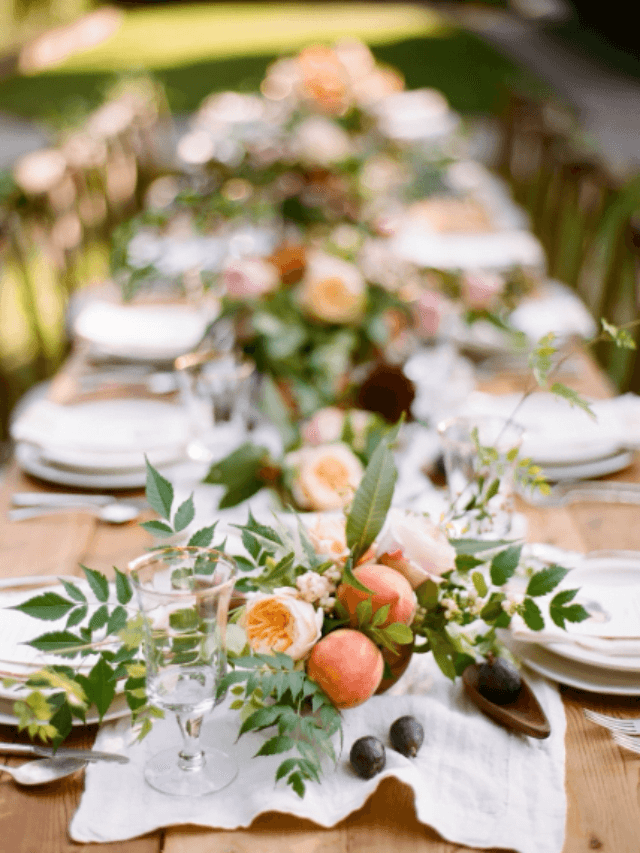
{"points": [[119, 708], [588, 470], [574, 674], [29, 458], [105, 436]]}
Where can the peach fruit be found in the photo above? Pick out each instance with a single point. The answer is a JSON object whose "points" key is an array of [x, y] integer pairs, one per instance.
{"points": [[388, 587], [347, 665]]}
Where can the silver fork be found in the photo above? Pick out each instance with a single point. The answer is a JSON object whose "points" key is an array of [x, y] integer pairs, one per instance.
{"points": [[627, 741], [614, 724]]}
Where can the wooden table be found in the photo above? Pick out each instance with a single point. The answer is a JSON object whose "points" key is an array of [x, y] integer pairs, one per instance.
{"points": [[603, 782]]}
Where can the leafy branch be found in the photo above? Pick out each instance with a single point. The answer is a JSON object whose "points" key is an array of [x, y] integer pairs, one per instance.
{"points": [[303, 718]]}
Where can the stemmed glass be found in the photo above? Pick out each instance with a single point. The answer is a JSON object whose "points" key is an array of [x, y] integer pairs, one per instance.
{"points": [[183, 594]]}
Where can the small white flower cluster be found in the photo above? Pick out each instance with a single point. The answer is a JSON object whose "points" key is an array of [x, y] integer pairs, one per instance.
{"points": [[512, 602], [319, 589]]}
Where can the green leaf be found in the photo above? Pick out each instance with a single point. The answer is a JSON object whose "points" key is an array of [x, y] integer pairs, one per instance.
{"points": [[261, 719], [466, 562], [276, 745], [73, 591], [397, 632], [204, 537], [443, 653], [77, 616], [49, 606], [57, 642], [286, 767], [157, 528], [62, 721], [493, 608], [295, 780], [184, 514], [532, 615], [364, 611], [98, 583], [564, 597], [372, 500], [380, 616], [117, 620], [477, 546], [546, 580], [159, 492], [428, 593], [100, 686], [99, 618], [504, 564], [124, 591], [479, 583], [562, 390]]}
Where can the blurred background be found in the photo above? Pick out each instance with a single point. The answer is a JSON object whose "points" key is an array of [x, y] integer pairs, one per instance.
{"points": [[550, 90]]}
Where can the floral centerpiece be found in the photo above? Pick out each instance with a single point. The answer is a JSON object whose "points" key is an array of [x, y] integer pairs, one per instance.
{"points": [[326, 614]]}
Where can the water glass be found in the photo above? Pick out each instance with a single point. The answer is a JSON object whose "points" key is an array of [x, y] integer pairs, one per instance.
{"points": [[183, 594], [217, 388], [480, 460]]}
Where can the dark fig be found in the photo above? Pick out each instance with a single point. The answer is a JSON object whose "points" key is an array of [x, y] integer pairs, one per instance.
{"points": [[499, 681], [406, 735], [368, 756]]}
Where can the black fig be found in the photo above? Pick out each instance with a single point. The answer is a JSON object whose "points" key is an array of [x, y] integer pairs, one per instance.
{"points": [[406, 735], [499, 681], [368, 756]]}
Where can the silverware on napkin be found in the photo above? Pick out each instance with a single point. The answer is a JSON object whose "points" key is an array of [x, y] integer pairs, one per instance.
{"points": [[61, 752], [574, 491]]}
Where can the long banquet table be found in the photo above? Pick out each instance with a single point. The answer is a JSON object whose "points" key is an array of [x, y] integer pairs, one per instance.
{"points": [[603, 781]]}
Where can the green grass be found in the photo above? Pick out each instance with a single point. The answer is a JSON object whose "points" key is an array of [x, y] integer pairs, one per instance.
{"points": [[196, 50]]}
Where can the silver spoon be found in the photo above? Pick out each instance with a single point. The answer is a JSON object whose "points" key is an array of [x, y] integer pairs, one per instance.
{"points": [[43, 770], [116, 512]]}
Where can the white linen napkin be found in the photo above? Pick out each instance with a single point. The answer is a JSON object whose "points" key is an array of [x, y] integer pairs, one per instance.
{"points": [[474, 782]]}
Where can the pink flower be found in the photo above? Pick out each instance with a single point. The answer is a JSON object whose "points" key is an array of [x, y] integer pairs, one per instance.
{"points": [[415, 547], [428, 310], [480, 290], [250, 278]]}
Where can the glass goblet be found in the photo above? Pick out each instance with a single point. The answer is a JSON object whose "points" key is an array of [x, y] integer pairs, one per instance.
{"points": [[183, 594]]}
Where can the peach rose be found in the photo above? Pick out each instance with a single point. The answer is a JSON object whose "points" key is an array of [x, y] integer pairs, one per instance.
{"points": [[324, 79], [415, 547], [325, 477], [480, 290], [250, 278], [333, 290], [281, 622]]}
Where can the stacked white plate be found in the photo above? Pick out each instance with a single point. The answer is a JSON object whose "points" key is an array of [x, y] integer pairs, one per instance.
{"points": [[602, 654], [142, 332], [100, 444], [17, 629], [563, 440]]}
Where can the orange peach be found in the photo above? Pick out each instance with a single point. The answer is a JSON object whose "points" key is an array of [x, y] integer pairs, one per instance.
{"points": [[347, 665], [388, 587]]}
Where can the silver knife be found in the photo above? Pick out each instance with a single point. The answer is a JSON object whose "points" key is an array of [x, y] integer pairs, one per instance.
{"points": [[63, 752]]}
